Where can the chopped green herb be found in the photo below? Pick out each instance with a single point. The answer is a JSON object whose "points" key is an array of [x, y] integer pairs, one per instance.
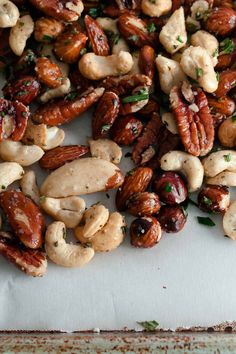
{"points": [[207, 201], [22, 93], [21, 24], [199, 72], [87, 245], [130, 173], [133, 38], [123, 229], [83, 51], [47, 38], [68, 41], [216, 53], [168, 187], [228, 157], [42, 198], [227, 46], [134, 130], [24, 114], [151, 27], [179, 39], [105, 127], [115, 38], [56, 244], [96, 11], [205, 221], [233, 119], [149, 325], [217, 76], [3, 114], [3, 187], [139, 96], [74, 31], [198, 15], [71, 96], [26, 83]]}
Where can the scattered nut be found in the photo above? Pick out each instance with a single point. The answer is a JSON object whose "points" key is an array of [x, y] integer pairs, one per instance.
{"points": [[15, 151], [172, 218], [9, 14], [156, 8], [47, 29], [105, 149], [225, 178], [60, 91], [217, 162], [20, 33], [213, 198], [145, 232], [227, 133], [143, 204], [9, 173], [29, 186]]}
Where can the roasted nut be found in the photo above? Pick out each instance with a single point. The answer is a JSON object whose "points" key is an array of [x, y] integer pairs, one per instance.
{"points": [[156, 8], [68, 210], [78, 178], [227, 133], [105, 114], [32, 262], [97, 37], [95, 67], [15, 151], [207, 41], [64, 111], [48, 72], [217, 162], [24, 217], [172, 218], [147, 61], [46, 29], [227, 55], [143, 204], [194, 121], [221, 21], [124, 85], [170, 188], [138, 99], [25, 89], [227, 81], [20, 33], [47, 50], [9, 173], [25, 64], [169, 120], [105, 149], [223, 105], [173, 35], [214, 199], [69, 43], [62, 253], [229, 221], [9, 14], [136, 181], [60, 91], [199, 9], [57, 157], [189, 165], [225, 178], [145, 232], [151, 107], [126, 129], [29, 186]]}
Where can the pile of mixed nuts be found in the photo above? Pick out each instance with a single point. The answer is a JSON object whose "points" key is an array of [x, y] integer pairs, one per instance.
{"points": [[161, 76]]}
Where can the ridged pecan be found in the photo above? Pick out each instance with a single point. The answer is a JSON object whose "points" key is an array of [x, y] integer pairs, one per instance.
{"points": [[97, 37]]}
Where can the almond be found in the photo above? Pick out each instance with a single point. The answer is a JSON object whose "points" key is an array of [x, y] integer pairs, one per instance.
{"points": [[48, 72], [143, 204], [147, 61], [97, 37], [47, 29], [221, 21]]}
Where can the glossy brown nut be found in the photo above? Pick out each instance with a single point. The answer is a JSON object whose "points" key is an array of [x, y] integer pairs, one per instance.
{"points": [[147, 58], [25, 89], [25, 64], [223, 3], [145, 232], [221, 21], [227, 81], [143, 204], [170, 188], [48, 72], [223, 105], [46, 29], [97, 37], [151, 107], [226, 60], [126, 129], [172, 218], [214, 199]]}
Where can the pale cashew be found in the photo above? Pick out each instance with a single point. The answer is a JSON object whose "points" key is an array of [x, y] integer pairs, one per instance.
{"points": [[199, 9], [227, 133], [94, 219], [156, 8], [46, 137], [95, 67], [189, 165], [20, 33], [9, 173], [15, 151], [29, 186], [62, 253], [169, 120], [225, 178], [197, 63], [60, 91], [229, 221], [68, 210], [173, 35], [120, 46], [110, 236], [9, 14], [82, 176], [170, 73], [135, 68], [207, 41], [105, 149], [217, 162], [46, 50]]}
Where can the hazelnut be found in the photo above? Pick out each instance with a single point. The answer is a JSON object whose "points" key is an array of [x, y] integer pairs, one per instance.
{"points": [[143, 204], [172, 218], [145, 232], [214, 198]]}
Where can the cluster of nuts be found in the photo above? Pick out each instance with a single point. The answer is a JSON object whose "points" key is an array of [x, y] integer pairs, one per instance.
{"points": [[162, 78]]}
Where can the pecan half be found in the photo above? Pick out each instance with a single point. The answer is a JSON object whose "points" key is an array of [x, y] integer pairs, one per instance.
{"points": [[221, 21], [25, 89], [48, 72], [97, 37], [64, 111], [32, 262], [194, 121], [227, 81], [147, 58]]}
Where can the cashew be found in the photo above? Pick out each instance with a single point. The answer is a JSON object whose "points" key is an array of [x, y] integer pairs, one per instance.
{"points": [[170, 73], [29, 186], [197, 63], [225, 178], [15, 151], [173, 35], [108, 24], [46, 137], [47, 51], [9, 14], [62, 253], [20, 33], [110, 236], [219, 161], [60, 91], [135, 68], [207, 41], [229, 221], [199, 9], [169, 120], [94, 219], [68, 210], [156, 8], [189, 165], [82, 176], [9, 173], [120, 46], [227, 133], [97, 67], [105, 149]]}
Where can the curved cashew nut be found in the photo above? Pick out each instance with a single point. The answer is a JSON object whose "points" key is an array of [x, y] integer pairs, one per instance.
{"points": [[169, 120], [189, 165], [29, 186], [105, 149], [95, 67], [229, 221], [207, 41], [20, 33], [93, 221], [62, 253], [225, 178], [156, 8], [219, 161], [9, 14], [9, 173], [68, 210], [60, 91], [15, 151], [227, 133]]}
